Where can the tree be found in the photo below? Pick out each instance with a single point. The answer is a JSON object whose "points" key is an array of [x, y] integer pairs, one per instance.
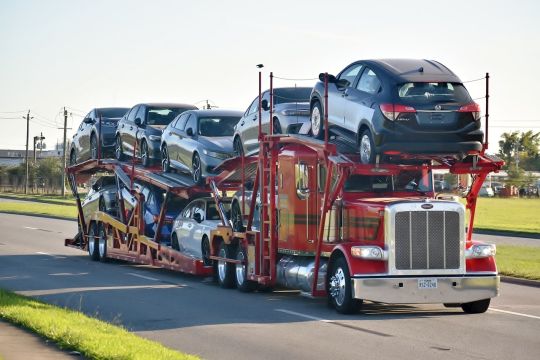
{"points": [[520, 150]]}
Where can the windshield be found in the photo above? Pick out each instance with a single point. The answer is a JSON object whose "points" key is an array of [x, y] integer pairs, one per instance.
{"points": [[291, 95], [217, 125], [212, 212], [422, 93], [113, 113], [162, 115], [406, 181]]}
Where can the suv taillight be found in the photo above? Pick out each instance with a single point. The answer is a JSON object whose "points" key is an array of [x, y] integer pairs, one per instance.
{"points": [[473, 108], [392, 111]]}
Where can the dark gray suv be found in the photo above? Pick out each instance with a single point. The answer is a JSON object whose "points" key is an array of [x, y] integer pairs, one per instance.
{"points": [[143, 126]]}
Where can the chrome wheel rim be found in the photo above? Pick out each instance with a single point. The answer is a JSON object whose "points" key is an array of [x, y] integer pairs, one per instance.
{"points": [[196, 168], [337, 286], [102, 243], [240, 269], [221, 265], [365, 149], [165, 160], [91, 241], [315, 121]]}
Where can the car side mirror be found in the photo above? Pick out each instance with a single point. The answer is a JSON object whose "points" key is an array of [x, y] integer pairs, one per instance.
{"points": [[342, 83], [197, 217], [95, 187], [138, 122], [88, 120], [264, 105], [189, 132], [331, 78]]}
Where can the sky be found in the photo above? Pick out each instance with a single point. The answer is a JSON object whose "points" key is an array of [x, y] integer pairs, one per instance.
{"points": [[88, 54]]}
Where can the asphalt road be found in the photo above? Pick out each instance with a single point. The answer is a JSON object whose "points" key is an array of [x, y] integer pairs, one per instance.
{"points": [[193, 314]]}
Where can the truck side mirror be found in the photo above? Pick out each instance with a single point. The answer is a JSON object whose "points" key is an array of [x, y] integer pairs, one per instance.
{"points": [[264, 105]]}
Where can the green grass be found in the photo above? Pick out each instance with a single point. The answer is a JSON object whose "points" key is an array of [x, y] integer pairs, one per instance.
{"points": [[51, 199], [519, 261], [32, 208], [72, 330], [520, 215]]}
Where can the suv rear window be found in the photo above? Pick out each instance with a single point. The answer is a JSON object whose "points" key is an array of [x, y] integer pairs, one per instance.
{"points": [[424, 92]]}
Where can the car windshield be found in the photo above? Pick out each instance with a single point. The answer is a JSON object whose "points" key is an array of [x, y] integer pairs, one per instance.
{"points": [[406, 181], [217, 125], [162, 115], [108, 180], [212, 212], [113, 113], [424, 92], [288, 95]]}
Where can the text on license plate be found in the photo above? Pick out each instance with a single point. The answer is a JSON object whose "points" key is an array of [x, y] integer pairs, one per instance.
{"points": [[427, 283]]}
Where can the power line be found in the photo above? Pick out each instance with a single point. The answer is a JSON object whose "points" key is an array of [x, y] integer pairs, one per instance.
{"points": [[12, 112]]}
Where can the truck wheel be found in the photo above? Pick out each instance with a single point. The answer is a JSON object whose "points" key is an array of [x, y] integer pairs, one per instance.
{"points": [[242, 283], [118, 150], [317, 120], [93, 242], [367, 147], [340, 288], [102, 243], [225, 270], [476, 307]]}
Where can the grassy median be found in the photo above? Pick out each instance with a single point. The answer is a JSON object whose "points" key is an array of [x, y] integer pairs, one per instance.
{"points": [[50, 199], [73, 330], [37, 208], [519, 261], [520, 215]]}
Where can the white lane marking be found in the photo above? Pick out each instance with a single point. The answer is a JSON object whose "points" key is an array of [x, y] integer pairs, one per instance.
{"points": [[143, 277], [29, 227], [515, 313], [51, 255], [43, 253], [304, 315]]}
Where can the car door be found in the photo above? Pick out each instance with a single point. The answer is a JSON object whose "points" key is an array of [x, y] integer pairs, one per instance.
{"points": [[126, 130], [193, 241], [250, 127], [84, 138], [361, 99], [138, 130], [337, 95], [183, 225], [185, 146], [175, 137]]}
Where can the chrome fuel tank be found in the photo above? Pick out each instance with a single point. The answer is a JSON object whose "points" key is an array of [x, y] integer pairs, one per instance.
{"points": [[297, 272]]}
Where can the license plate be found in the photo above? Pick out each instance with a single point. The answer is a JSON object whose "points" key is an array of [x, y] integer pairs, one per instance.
{"points": [[427, 283]]}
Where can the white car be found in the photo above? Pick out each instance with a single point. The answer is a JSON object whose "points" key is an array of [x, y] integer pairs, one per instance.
{"points": [[191, 229]]}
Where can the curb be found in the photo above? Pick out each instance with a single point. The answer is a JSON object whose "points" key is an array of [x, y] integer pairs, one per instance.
{"points": [[520, 281], [38, 215]]}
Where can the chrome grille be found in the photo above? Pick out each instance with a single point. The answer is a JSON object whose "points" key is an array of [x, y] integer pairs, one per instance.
{"points": [[427, 240]]}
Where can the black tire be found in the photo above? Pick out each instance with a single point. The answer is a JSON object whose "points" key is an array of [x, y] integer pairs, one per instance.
{"points": [[242, 283], [102, 243], [236, 217], [93, 147], [145, 155], [174, 242], [316, 118], [339, 288], [366, 147], [205, 251], [196, 169], [476, 307], [72, 158], [93, 242], [118, 150], [165, 160], [277, 127], [237, 145], [225, 271]]}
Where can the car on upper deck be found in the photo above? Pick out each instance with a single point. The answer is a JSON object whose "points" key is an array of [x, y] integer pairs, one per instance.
{"points": [[139, 131], [395, 106], [199, 140], [84, 145]]}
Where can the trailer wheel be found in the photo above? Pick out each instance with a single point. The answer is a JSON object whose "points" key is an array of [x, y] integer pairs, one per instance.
{"points": [[102, 242], [317, 119], [225, 270], [340, 288], [92, 242], [476, 307], [242, 283]]}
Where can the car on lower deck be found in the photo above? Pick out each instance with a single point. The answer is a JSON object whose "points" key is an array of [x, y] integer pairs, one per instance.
{"points": [[197, 141], [290, 115], [395, 106], [139, 131], [86, 141], [101, 197], [191, 229]]}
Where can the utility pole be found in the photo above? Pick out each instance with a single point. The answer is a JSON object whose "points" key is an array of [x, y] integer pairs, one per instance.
{"points": [[64, 154], [26, 157], [36, 138], [41, 138]]}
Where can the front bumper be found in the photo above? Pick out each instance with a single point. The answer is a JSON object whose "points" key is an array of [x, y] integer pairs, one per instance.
{"points": [[401, 290]]}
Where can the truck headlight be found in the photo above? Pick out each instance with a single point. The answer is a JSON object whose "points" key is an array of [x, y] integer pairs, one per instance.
{"points": [[369, 252], [480, 251], [154, 137]]}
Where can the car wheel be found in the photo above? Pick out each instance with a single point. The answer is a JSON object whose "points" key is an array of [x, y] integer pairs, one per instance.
{"points": [[102, 243], [316, 118], [72, 158], [236, 217], [118, 151], [205, 251], [165, 160], [340, 288], [277, 127], [93, 242], [145, 156], [93, 147], [238, 148], [196, 169], [242, 283], [476, 307], [225, 270], [174, 242], [367, 148]]}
